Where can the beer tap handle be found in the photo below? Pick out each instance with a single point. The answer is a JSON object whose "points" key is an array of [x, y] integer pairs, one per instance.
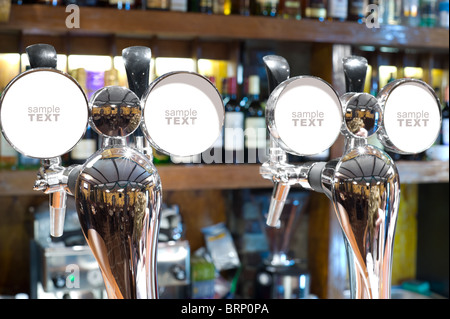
{"points": [[355, 69], [137, 65], [41, 56], [277, 69]]}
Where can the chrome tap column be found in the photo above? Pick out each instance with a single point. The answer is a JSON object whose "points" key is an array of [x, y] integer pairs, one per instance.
{"points": [[363, 184], [118, 189]]}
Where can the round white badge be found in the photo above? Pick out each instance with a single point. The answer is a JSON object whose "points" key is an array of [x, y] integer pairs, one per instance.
{"points": [[412, 117], [183, 114], [43, 113], [307, 115]]}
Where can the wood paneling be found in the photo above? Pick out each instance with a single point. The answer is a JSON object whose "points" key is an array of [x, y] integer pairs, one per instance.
{"points": [[105, 21], [204, 177]]}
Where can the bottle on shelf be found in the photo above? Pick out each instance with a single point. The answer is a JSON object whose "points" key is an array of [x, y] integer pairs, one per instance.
{"points": [[225, 94], [337, 10], [444, 14], [48, 2], [163, 5], [316, 9], [123, 4], [194, 5], [232, 6], [206, 6], [268, 8], [218, 6], [179, 5], [428, 13], [392, 13], [234, 126], [245, 7], [290, 9], [87, 146], [86, 3], [410, 13], [255, 124], [357, 10]]}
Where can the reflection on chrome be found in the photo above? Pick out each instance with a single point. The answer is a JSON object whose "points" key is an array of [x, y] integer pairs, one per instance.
{"points": [[118, 198], [366, 188]]}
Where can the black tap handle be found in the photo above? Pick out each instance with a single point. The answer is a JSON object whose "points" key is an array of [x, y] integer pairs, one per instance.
{"points": [[42, 56], [355, 69], [277, 69], [137, 65]]}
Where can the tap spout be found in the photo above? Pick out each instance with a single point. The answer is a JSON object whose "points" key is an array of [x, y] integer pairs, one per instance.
{"points": [[277, 70]]}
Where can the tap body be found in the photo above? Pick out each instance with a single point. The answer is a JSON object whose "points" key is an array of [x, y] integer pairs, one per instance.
{"points": [[118, 198]]}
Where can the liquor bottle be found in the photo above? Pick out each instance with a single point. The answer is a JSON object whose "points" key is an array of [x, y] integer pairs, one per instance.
{"points": [[50, 2], [179, 5], [227, 7], [245, 7], [215, 154], [225, 94], [245, 93], [193, 5], [428, 13], [206, 6], [392, 13], [410, 13], [123, 4], [267, 8], [255, 124], [87, 146], [163, 5], [337, 10], [290, 9], [444, 14], [86, 3], [218, 6], [316, 9], [357, 10], [234, 126]]}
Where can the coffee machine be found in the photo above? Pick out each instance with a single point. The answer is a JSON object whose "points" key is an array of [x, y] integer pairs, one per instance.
{"points": [[62, 267]]}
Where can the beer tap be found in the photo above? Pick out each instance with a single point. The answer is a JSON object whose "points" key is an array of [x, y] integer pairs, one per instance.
{"points": [[284, 117], [45, 113], [118, 190], [363, 184]]}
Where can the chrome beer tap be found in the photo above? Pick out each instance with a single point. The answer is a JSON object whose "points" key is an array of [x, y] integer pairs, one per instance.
{"points": [[117, 190], [36, 107], [363, 184]]}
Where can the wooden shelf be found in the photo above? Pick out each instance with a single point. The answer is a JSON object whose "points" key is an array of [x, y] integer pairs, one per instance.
{"points": [[38, 19], [203, 177]]}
